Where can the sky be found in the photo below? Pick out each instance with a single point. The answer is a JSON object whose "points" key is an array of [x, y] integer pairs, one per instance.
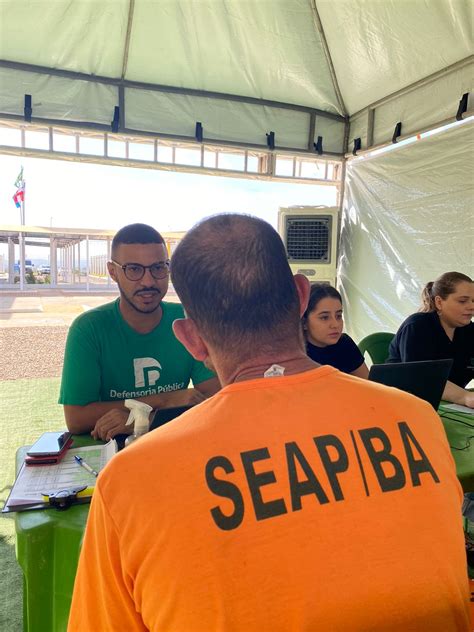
{"points": [[80, 195]]}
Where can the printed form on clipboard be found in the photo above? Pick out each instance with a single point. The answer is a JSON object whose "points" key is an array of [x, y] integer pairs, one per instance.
{"points": [[34, 481]]}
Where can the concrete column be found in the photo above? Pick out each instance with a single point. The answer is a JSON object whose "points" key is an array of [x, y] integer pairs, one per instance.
{"points": [[87, 262], [108, 259], [53, 262], [70, 264], [74, 263], [67, 268], [79, 260], [61, 259], [11, 261], [21, 241]]}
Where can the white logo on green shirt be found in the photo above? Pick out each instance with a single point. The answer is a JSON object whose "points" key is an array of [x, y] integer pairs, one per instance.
{"points": [[146, 371]]}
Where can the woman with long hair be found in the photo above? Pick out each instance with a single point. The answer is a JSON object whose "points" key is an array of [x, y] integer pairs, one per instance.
{"points": [[323, 325], [442, 329]]}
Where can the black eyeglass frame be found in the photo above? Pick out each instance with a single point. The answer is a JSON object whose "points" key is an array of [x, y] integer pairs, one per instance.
{"points": [[165, 265]]}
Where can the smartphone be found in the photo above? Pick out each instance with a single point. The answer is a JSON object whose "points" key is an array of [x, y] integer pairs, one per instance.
{"points": [[44, 460], [50, 444]]}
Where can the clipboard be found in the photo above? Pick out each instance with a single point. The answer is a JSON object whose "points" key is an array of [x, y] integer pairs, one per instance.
{"points": [[34, 485]]}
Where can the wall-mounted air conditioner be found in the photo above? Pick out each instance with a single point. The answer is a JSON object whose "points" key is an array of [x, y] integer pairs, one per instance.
{"points": [[310, 237]]}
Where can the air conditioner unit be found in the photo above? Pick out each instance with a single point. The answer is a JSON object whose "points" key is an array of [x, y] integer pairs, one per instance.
{"points": [[310, 237]]}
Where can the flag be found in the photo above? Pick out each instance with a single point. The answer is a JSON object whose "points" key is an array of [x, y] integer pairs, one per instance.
{"points": [[19, 179], [19, 197]]}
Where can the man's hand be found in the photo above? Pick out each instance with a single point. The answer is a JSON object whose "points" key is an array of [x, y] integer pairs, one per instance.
{"points": [[113, 421], [111, 424]]}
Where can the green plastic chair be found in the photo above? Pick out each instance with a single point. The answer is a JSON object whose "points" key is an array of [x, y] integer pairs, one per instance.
{"points": [[376, 345]]}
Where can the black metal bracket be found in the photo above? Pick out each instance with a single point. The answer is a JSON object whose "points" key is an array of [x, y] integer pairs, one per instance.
{"points": [[319, 145], [199, 132], [357, 146], [462, 106], [270, 140], [28, 110], [116, 121], [397, 132]]}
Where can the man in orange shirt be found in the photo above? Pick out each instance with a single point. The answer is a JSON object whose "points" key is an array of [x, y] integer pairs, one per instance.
{"points": [[296, 498]]}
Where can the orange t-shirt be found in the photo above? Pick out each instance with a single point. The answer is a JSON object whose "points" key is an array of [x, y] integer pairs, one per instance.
{"points": [[316, 501]]}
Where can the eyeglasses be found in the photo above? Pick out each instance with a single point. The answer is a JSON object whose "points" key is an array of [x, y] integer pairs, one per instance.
{"points": [[135, 271]]}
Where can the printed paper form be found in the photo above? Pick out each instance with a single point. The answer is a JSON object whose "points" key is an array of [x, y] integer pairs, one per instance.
{"points": [[34, 480], [459, 409]]}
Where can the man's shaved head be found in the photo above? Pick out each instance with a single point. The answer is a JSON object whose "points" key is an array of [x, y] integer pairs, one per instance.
{"points": [[232, 276]]}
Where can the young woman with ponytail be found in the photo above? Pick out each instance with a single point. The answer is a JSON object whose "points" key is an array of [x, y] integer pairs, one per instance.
{"points": [[442, 329]]}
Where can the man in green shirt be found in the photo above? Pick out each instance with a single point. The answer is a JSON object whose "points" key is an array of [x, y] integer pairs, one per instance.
{"points": [[126, 349]]}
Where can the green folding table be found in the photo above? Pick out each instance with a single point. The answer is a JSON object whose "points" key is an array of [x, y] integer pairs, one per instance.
{"points": [[459, 429], [48, 543]]}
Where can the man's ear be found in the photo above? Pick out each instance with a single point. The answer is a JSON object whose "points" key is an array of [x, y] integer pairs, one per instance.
{"points": [[112, 271], [303, 288], [187, 333]]}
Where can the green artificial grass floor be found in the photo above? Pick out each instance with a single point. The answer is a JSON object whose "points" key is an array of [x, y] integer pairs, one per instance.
{"points": [[27, 409]]}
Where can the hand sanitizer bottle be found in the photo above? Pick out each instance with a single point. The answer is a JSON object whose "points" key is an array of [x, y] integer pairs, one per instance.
{"points": [[139, 413]]}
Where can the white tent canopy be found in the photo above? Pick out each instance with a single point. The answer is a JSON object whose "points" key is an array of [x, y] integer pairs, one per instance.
{"points": [[242, 68], [330, 72]]}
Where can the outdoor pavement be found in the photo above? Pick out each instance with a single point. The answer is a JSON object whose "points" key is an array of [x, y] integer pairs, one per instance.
{"points": [[47, 307], [33, 308]]}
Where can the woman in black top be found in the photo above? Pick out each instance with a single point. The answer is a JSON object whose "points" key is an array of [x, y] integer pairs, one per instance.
{"points": [[325, 342], [442, 329]]}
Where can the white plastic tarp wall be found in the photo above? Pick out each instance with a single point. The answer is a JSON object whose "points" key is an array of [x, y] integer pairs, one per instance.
{"points": [[407, 218]]}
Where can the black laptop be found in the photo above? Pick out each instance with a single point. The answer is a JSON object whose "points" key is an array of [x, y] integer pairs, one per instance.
{"points": [[163, 415], [425, 379]]}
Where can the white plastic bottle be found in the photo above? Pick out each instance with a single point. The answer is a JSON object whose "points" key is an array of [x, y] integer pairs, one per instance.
{"points": [[139, 413]]}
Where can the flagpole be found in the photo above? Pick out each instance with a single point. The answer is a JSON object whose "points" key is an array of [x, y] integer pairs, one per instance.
{"points": [[22, 238]]}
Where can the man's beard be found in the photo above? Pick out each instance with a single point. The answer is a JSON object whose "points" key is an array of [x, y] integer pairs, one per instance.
{"points": [[150, 310]]}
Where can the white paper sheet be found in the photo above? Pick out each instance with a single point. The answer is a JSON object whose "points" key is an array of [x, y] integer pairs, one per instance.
{"points": [[459, 409]]}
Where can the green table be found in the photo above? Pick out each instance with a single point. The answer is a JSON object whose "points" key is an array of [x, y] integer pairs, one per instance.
{"points": [[459, 427], [47, 549]]}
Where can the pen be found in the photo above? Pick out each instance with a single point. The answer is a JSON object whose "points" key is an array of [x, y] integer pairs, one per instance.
{"points": [[87, 467]]}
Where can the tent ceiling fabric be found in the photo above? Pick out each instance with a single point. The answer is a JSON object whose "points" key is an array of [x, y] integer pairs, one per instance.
{"points": [[379, 47], [266, 50], [261, 49], [254, 49]]}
